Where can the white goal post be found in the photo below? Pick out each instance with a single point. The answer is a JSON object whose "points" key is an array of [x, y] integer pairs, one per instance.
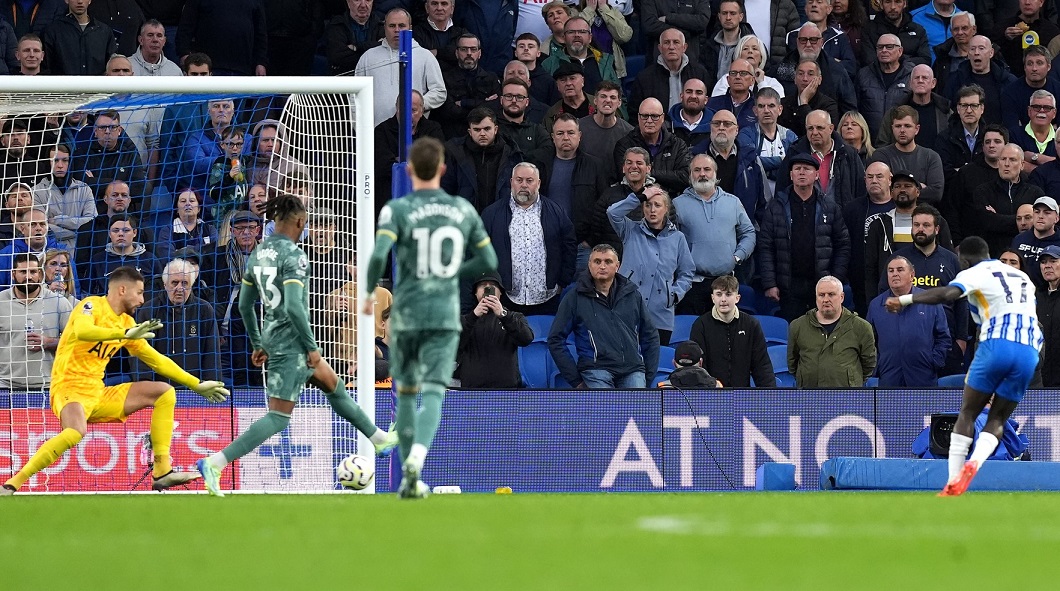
{"points": [[326, 122]]}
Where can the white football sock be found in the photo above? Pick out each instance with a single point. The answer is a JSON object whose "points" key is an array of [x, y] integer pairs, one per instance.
{"points": [[959, 446], [218, 460], [378, 437], [984, 447], [417, 455]]}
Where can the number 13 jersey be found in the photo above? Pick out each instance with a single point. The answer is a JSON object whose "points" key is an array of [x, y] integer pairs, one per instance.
{"points": [[275, 263], [1002, 302], [432, 230]]}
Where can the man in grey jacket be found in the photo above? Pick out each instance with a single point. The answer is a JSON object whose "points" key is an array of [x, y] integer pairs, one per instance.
{"points": [[719, 232]]}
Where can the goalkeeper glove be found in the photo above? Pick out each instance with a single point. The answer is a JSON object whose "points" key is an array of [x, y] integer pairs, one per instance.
{"points": [[144, 330], [211, 390]]}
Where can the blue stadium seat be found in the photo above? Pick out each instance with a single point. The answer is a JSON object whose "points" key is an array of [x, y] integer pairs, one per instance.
{"points": [[873, 382], [748, 300], [682, 328], [634, 64], [954, 381], [666, 358], [778, 356], [775, 328], [535, 365], [785, 379], [540, 325], [660, 377], [848, 297]]}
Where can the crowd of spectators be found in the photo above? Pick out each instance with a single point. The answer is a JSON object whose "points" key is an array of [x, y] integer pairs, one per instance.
{"points": [[821, 154]]}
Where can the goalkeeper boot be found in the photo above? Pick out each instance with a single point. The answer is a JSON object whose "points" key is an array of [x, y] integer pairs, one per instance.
{"points": [[384, 448], [7, 490], [173, 478], [211, 477], [957, 486]]}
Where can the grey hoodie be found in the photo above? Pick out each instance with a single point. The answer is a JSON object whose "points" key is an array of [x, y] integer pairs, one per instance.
{"points": [[717, 230]]}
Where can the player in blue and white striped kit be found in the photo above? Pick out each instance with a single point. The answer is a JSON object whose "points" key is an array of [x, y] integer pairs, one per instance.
{"points": [[1003, 304]]}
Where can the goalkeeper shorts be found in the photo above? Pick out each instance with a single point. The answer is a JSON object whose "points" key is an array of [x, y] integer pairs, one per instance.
{"points": [[102, 404]]}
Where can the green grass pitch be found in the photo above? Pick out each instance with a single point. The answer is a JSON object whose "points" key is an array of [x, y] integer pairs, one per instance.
{"points": [[542, 542]]}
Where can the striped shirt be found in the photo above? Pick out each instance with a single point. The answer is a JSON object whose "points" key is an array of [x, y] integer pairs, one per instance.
{"points": [[1002, 302]]}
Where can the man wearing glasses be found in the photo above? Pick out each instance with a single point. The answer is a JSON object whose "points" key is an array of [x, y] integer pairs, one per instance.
{"points": [[513, 123], [963, 138], [112, 156], [597, 66], [888, 71], [1038, 138], [1037, 63], [738, 99], [670, 156], [222, 270], [835, 82]]}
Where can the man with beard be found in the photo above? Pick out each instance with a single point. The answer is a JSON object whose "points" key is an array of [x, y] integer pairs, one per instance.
{"points": [[890, 231], [829, 346], [913, 344], [738, 170], [18, 162], [686, 118], [477, 165], [31, 320], [935, 267], [31, 229], [534, 109], [467, 86], [527, 136], [1030, 243], [719, 232], [906, 154], [670, 155], [993, 208], [602, 130], [597, 66], [535, 244], [573, 180]]}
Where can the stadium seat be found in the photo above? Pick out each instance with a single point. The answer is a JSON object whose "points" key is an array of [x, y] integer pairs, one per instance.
{"points": [[660, 377], [775, 328], [748, 300], [540, 325], [873, 382], [778, 356], [634, 64], [848, 297], [535, 365], [666, 358], [954, 381], [785, 379], [682, 328]]}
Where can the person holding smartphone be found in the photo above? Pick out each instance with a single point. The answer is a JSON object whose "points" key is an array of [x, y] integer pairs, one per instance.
{"points": [[487, 356]]}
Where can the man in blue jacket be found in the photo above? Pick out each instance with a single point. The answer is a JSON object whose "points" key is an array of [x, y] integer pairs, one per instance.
{"points": [[912, 345], [32, 234], [616, 342]]}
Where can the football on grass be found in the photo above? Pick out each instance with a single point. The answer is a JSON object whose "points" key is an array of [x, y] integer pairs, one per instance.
{"points": [[355, 472]]}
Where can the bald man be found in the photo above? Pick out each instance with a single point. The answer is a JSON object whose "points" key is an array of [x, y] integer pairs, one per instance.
{"points": [[875, 80], [932, 108], [672, 156]]}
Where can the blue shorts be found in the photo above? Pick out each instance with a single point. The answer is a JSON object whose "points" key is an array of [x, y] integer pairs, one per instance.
{"points": [[1003, 367]]}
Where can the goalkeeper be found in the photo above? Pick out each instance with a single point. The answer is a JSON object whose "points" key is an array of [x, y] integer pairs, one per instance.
{"points": [[98, 328]]}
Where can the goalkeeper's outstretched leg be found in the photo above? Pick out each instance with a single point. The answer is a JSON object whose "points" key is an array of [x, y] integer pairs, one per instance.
{"points": [[115, 403]]}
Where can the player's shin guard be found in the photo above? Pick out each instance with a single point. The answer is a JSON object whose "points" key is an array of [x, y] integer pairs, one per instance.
{"points": [[162, 431], [406, 423], [430, 415], [45, 456], [272, 423], [346, 408]]}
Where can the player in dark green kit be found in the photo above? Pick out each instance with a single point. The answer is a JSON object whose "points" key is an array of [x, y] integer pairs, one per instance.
{"points": [[432, 230], [278, 272]]}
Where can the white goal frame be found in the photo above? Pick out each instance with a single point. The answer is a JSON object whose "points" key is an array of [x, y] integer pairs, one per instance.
{"points": [[360, 91]]}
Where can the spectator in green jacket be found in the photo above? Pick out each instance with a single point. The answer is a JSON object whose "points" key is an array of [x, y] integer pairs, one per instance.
{"points": [[830, 346]]}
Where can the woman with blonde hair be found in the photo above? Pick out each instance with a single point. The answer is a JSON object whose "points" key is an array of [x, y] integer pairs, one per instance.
{"points": [[855, 133], [750, 48], [59, 274]]}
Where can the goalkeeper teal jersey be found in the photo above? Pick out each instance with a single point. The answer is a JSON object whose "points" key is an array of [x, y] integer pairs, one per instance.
{"points": [[432, 230], [274, 264]]}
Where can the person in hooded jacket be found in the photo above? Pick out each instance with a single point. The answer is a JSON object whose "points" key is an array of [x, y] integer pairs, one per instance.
{"points": [[491, 335]]}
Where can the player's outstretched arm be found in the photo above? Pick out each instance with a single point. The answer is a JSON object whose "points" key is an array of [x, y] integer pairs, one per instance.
{"points": [[248, 295], [210, 390], [935, 295], [84, 327]]}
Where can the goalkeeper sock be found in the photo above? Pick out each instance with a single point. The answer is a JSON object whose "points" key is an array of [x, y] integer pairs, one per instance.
{"points": [[406, 423], [430, 415], [345, 407], [162, 431], [45, 456], [272, 423], [959, 446], [984, 447]]}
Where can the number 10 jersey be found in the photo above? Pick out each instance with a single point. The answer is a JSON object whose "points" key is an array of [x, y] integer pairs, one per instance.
{"points": [[432, 230]]}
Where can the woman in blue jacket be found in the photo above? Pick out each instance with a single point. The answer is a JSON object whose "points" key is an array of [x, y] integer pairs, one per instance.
{"points": [[655, 255]]}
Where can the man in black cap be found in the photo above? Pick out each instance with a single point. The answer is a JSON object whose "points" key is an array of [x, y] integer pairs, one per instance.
{"points": [[1049, 314], [802, 238], [688, 369], [570, 81], [490, 339], [892, 230]]}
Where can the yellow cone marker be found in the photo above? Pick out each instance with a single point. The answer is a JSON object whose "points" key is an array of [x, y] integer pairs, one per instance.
{"points": [[504, 490]]}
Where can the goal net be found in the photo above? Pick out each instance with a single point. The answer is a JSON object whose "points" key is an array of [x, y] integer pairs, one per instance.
{"points": [[170, 175]]}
